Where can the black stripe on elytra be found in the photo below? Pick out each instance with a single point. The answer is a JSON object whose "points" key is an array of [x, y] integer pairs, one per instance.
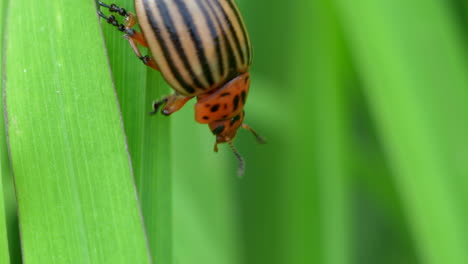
{"points": [[157, 31], [232, 30], [175, 38], [231, 58], [196, 39], [241, 25], [214, 36]]}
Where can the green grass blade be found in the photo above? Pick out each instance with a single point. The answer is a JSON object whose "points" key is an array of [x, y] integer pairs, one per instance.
{"points": [[9, 219], [412, 61], [76, 196], [155, 184], [379, 218], [322, 134], [205, 224], [4, 250], [260, 194], [148, 136]]}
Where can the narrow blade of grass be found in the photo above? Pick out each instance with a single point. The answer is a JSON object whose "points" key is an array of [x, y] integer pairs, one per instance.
{"points": [[4, 251], [206, 228], [7, 193], [378, 214], [148, 136], [261, 194], [320, 76], [76, 196], [414, 67]]}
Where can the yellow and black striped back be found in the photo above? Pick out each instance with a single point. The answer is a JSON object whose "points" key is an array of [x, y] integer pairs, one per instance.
{"points": [[198, 45]]}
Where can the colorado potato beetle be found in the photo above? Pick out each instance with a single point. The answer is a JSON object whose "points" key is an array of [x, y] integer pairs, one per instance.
{"points": [[203, 50]]}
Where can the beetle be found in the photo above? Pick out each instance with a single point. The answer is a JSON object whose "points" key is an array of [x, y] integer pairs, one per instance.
{"points": [[202, 49]]}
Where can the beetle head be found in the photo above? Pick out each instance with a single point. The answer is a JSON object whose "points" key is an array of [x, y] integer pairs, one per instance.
{"points": [[226, 130]]}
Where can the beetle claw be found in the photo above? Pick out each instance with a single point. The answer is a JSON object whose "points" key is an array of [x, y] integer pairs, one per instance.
{"points": [[157, 105], [103, 4]]}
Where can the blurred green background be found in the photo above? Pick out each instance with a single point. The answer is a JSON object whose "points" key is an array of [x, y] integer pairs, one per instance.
{"points": [[364, 105]]}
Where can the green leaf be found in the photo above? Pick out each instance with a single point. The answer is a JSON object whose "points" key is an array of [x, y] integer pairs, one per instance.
{"points": [[414, 66], [148, 136], [76, 196]]}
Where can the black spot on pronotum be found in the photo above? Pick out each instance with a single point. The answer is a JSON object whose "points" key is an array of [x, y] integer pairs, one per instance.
{"points": [[215, 108], [206, 118], [218, 130], [236, 102], [243, 97], [224, 94], [235, 119]]}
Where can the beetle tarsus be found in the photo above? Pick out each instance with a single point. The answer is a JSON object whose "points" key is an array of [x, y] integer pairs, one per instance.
{"points": [[102, 15], [103, 4], [130, 32], [111, 20], [134, 37], [145, 59], [157, 105], [114, 8], [119, 10]]}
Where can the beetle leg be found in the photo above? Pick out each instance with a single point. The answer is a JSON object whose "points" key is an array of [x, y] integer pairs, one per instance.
{"points": [[259, 138], [130, 21], [172, 103], [114, 8], [133, 37], [147, 60]]}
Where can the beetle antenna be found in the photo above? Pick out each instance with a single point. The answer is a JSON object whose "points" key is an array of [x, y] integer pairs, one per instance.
{"points": [[259, 138], [241, 169]]}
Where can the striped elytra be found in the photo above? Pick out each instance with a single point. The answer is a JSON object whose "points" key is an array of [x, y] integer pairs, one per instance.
{"points": [[203, 50], [198, 45]]}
